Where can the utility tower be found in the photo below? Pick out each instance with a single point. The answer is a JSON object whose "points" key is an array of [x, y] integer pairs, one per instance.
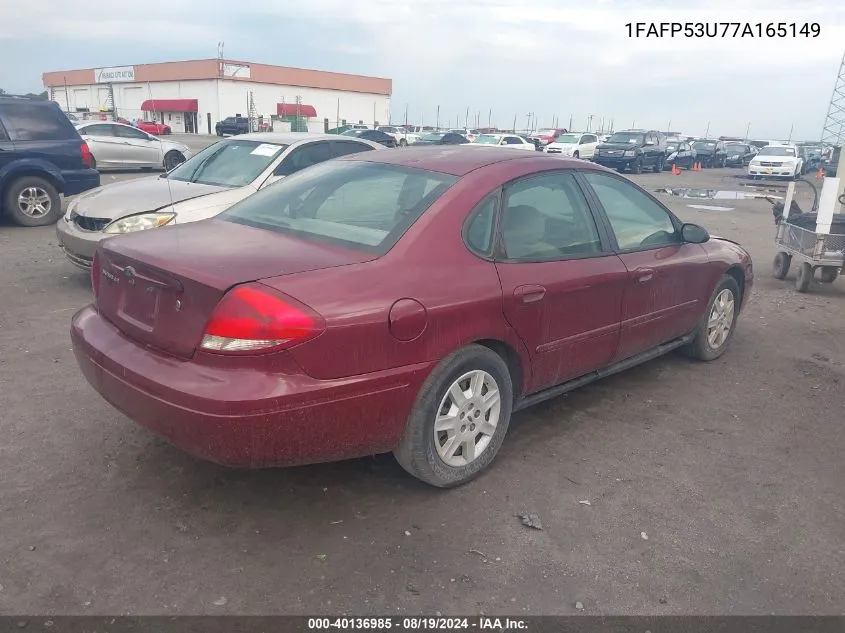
{"points": [[833, 132]]}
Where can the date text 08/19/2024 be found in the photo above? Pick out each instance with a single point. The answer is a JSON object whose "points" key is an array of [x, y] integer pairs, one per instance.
{"points": [[723, 30], [388, 623]]}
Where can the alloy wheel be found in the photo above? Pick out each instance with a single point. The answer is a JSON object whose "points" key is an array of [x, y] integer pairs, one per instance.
{"points": [[467, 418], [34, 202], [721, 319]]}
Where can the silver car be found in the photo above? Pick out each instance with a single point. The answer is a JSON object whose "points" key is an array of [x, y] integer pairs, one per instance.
{"points": [[119, 146], [200, 188]]}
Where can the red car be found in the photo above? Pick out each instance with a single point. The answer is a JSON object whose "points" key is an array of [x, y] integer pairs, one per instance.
{"points": [[547, 135], [156, 129], [399, 301]]}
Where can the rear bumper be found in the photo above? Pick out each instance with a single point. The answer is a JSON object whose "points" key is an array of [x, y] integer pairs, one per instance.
{"points": [[80, 180], [232, 414]]}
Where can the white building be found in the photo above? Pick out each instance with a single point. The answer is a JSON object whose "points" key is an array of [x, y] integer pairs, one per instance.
{"points": [[192, 96]]}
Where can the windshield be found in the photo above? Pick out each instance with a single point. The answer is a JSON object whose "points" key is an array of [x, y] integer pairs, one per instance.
{"points": [[704, 145], [568, 138], [488, 139], [433, 137], [357, 204], [627, 137], [735, 149], [776, 151], [233, 163], [672, 146]]}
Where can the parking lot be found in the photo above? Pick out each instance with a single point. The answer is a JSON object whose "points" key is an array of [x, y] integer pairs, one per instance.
{"points": [[712, 488]]}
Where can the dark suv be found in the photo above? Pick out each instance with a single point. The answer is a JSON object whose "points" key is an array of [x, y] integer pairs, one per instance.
{"points": [[41, 156], [633, 149], [232, 125]]}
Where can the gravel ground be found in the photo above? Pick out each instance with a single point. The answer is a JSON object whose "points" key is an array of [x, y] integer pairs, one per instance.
{"points": [[712, 488]]}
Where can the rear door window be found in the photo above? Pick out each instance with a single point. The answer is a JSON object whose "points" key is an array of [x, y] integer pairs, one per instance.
{"points": [[344, 148], [28, 122], [101, 129]]}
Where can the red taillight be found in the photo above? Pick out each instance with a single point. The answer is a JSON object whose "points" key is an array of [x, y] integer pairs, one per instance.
{"points": [[255, 318], [85, 152], [95, 275]]}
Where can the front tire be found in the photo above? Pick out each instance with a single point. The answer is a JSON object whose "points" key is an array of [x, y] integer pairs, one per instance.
{"points": [[781, 265], [402, 142], [33, 201], [459, 420], [716, 328], [576, 154], [637, 166], [804, 277], [658, 167], [173, 159]]}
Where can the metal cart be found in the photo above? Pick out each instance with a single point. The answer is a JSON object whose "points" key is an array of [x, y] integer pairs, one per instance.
{"points": [[813, 250]]}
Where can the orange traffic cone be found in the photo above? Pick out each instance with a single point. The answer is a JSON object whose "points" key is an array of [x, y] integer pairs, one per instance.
{"points": [[675, 170], [820, 174], [697, 167]]}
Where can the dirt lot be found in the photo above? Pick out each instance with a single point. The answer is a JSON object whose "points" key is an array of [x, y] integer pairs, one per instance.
{"points": [[732, 470]]}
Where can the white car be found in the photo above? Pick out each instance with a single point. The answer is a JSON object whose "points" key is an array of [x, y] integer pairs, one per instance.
{"points": [[783, 161], [504, 140], [574, 144], [119, 146], [402, 137], [468, 134], [204, 186]]}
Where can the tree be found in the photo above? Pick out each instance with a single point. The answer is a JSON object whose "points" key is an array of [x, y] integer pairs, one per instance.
{"points": [[41, 95]]}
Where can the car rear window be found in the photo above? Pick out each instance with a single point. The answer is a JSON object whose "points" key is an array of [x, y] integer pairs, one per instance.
{"points": [[30, 122], [356, 204]]}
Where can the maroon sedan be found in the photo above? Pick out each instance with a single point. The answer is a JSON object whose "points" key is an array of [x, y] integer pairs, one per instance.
{"points": [[404, 302]]}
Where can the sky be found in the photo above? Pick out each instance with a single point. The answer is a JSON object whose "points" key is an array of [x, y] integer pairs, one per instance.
{"points": [[554, 58]]}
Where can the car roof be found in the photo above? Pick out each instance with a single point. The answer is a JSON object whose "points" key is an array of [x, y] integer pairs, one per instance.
{"points": [[460, 159]]}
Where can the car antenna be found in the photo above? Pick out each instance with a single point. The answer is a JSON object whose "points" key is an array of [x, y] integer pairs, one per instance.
{"points": [[160, 146]]}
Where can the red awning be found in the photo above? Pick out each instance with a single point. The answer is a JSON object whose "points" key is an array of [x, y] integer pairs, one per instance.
{"points": [[170, 105], [291, 109]]}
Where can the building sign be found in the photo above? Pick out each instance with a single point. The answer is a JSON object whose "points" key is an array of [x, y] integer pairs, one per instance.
{"points": [[236, 70], [114, 75]]}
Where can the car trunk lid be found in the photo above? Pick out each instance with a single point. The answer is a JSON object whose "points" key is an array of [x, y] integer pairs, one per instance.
{"points": [[160, 287]]}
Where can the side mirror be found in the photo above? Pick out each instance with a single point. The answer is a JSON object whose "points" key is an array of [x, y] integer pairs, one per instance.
{"points": [[694, 234]]}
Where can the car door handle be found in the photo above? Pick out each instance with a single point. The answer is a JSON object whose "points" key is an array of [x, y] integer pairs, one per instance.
{"points": [[529, 294], [644, 275]]}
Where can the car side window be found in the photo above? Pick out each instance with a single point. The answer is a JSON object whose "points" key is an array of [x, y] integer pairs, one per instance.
{"points": [[101, 129], [344, 148], [303, 157], [512, 140], [637, 221], [479, 234], [589, 138], [131, 132], [547, 217]]}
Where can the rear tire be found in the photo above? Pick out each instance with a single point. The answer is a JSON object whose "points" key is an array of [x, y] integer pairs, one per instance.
{"points": [[781, 265], [804, 278], [829, 274], [716, 327], [421, 449], [637, 166], [32, 201]]}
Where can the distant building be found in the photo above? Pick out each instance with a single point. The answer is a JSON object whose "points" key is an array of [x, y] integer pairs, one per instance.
{"points": [[191, 96]]}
